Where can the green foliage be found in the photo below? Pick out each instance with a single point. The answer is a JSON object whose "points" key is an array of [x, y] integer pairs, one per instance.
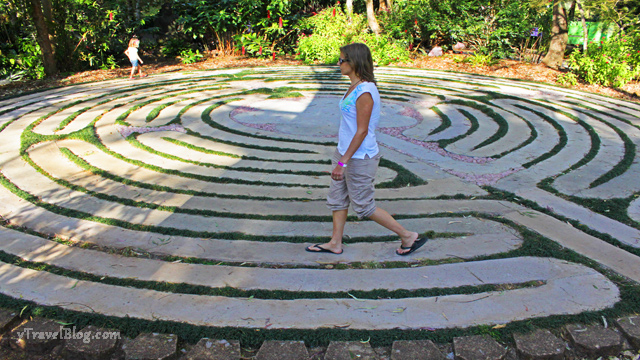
{"points": [[612, 63], [173, 47], [491, 26], [331, 32], [190, 57], [567, 79], [478, 59]]}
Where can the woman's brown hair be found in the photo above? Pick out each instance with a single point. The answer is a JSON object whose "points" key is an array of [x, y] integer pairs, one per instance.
{"points": [[359, 57]]}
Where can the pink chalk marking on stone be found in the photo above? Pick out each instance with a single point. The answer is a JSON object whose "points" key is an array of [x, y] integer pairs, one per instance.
{"points": [[432, 146], [128, 130], [428, 104], [483, 179], [411, 112], [480, 180], [270, 127]]}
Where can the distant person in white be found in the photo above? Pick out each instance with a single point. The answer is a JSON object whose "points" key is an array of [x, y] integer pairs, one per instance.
{"points": [[132, 53], [356, 158]]}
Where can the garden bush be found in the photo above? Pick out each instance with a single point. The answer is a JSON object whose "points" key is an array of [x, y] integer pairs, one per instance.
{"points": [[612, 63], [331, 29], [493, 27]]}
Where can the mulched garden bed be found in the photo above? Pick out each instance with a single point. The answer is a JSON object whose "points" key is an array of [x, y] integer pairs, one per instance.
{"points": [[505, 69]]}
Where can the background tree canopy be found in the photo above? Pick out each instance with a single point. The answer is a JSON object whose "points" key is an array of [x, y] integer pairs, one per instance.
{"points": [[45, 37]]}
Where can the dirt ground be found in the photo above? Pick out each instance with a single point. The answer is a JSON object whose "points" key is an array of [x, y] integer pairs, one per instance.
{"points": [[505, 69]]}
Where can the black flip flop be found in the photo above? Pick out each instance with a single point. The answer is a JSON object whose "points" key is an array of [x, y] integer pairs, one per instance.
{"points": [[415, 246], [322, 250]]}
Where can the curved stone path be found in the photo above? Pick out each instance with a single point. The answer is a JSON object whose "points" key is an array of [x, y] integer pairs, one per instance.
{"points": [[217, 179]]}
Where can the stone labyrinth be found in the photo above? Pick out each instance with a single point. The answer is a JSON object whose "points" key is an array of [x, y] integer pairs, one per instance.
{"points": [[217, 180]]}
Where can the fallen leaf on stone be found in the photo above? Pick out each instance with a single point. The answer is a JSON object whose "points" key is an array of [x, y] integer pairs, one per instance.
{"points": [[366, 341], [341, 326], [366, 308], [250, 298], [499, 326], [399, 310], [453, 222], [76, 283], [355, 298], [445, 316]]}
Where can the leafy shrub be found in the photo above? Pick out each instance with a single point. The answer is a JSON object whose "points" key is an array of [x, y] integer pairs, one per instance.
{"points": [[478, 59], [612, 63], [567, 79], [190, 57], [494, 26], [173, 47], [331, 32]]}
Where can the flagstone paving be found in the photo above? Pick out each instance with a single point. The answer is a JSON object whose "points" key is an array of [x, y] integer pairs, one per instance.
{"points": [[217, 179]]}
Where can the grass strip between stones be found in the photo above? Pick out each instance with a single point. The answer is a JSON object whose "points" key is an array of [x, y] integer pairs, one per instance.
{"points": [[132, 139], [243, 157], [56, 209], [503, 125], [475, 125], [206, 118], [97, 171], [445, 121], [557, 148], [593, 136], [577, 103], [497, 194], [227, 291], [629, 148], [131, 327]]}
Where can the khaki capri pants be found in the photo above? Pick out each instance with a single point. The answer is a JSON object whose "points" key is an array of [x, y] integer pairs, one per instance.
{"points": [[356, 187]]}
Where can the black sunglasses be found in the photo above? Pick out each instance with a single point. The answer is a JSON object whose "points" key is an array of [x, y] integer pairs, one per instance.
{"points": [[341, 60]]}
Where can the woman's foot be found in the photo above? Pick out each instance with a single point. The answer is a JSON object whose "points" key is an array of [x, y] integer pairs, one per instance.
{"points": [[407, 242], [325, 248]]}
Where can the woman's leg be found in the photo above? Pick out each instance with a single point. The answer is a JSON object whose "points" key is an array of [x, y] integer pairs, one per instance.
{"points": [[335, 244], [133, 71], [407, 238]]}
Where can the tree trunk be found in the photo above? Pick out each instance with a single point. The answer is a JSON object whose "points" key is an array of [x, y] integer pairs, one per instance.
{"points": [[383, 5], [48, 18], [48, 57], [390, 4], [585, 29], [46, 10], [559, 37], [137, 7], [349, 5], [371, 18]]}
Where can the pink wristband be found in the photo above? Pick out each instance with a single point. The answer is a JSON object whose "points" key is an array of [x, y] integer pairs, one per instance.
{"points": [[342, 164]]}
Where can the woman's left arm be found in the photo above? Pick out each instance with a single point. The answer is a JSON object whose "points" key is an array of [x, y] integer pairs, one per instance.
{"points": [[364, 107]]}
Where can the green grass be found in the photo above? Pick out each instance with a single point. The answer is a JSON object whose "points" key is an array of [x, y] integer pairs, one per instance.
{"points": [[534, 245], [134, 141], [557, 148], [206, 118], [445, 121], [475, 125], [503, 126]]}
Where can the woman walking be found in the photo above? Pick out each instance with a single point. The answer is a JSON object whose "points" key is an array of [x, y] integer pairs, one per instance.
{"points": [[356, 158]]}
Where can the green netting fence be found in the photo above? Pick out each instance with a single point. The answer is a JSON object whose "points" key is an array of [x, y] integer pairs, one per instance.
{"points": [[597, 32]]}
